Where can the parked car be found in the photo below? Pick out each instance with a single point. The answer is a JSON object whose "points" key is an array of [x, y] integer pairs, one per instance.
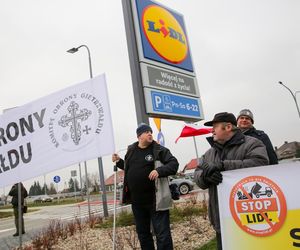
{"points": [[184, 183], [2, 202], [42, 198]]}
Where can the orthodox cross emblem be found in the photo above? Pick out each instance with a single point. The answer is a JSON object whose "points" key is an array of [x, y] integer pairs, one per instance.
{"points": [[73, 119]]}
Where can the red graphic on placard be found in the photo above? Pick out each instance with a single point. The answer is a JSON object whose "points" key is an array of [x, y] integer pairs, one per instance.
{"points": [[258, 205]]}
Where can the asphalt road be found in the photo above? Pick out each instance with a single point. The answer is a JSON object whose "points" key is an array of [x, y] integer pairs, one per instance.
{"points": [[36, 221]]}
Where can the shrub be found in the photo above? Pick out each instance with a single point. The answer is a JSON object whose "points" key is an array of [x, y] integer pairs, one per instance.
{"points": [[123, 219], [185, 213]]}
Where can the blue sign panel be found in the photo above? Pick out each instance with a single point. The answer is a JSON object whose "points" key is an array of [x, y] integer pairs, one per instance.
{"points": [[175, 104], [56, 179]]}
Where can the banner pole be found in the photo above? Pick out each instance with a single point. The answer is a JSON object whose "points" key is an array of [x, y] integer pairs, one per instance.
{"points": [[196, 149], [80, 180], [20, 215], [115, 198], [87, 189]]}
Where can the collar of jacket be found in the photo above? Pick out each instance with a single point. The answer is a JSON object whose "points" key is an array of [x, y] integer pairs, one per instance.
{"points": [[248, 130], [237, 139], [156, 149], [252, 131]]}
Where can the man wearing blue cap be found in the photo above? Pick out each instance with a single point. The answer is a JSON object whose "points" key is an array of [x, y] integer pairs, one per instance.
{"points": [[147, 166]]}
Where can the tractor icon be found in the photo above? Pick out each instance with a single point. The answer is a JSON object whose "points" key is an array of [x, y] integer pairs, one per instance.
{"points": [[256, 191]]}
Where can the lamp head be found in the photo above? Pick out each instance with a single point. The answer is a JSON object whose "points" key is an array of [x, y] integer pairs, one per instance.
{"points": [[73, 50]]}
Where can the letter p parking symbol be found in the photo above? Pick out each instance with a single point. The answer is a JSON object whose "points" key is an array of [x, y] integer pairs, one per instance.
{"points": [[158, 101]]}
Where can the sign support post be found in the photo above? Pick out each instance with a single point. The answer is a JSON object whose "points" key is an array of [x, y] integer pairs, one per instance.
{"points": [[136, 76]]}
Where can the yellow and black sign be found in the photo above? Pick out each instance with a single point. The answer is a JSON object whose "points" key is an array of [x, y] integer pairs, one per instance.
{"points": [[163, 35]]}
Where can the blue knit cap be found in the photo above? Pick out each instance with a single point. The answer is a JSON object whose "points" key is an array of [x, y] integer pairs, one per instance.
{"points": [[143, 127]]}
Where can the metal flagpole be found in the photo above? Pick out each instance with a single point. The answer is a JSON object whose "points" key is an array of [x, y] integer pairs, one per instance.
{"points": [[87, 189], [196, 149], [20, 215], [115, 201], [80, 180], [115, 198], [100, 164]]}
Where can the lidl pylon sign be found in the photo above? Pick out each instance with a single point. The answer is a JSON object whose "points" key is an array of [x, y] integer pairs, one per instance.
{"points": [[163, 35], [161, 62]]}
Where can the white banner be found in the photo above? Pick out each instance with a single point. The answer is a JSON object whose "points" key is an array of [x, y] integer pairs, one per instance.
{"points": [[260, 208], [64, 128]]}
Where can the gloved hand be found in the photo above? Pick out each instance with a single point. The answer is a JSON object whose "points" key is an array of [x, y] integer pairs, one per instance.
{"points": [[215, 179], [211, 173], [208, 170]]}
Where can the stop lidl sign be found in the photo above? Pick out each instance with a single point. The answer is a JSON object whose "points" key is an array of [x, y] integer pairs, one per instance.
{"points": [[258, 205]]}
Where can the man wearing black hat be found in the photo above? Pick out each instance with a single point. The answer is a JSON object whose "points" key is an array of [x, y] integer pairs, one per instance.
{"points": [[245, 122], [147, 166], [230, 149]]}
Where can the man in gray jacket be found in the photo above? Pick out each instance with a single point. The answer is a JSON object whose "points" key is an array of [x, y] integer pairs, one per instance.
{"points": [[230, 149], [147, 166]]}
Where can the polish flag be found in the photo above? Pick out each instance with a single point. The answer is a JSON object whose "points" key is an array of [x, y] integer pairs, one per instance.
{"points": [[193, 130]]}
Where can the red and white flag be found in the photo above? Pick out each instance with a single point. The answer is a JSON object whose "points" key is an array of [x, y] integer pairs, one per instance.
{"points": [[193, 130]]}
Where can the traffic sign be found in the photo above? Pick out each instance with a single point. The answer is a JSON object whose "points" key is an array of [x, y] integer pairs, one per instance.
{"points": [[56, 179]]}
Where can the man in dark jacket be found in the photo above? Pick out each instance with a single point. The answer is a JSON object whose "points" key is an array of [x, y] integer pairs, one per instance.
{"points": [[147, 166], [230, 149], [245, 122], [14, 193]]}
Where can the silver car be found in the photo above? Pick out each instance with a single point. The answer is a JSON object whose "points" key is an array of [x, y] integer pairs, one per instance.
{"points": [[42, 198], [184, 183]]}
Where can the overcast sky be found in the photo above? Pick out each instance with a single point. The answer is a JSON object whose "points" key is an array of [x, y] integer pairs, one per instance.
{"points": [[240, 50]]}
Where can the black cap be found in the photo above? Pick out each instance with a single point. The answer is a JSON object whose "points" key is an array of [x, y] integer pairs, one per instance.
{"points": [[222, 117], [143, 127]]}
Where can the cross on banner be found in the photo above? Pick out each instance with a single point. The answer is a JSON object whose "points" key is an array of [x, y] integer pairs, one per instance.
{"points": [[86, 130], [73, 120]]}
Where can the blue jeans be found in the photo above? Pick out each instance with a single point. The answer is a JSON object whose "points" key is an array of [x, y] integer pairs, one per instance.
{"points": [[144, 215]]}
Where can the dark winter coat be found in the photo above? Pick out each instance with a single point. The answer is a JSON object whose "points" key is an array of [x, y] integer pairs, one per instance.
{"points": [[239, 152], [165, 164], [14, 193], [261, 135]]}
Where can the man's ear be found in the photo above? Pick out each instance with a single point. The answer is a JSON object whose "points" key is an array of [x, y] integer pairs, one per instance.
{"points": [[228, 126]]}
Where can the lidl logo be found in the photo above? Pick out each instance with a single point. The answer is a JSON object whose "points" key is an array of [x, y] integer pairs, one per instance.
{"points": [[164, 33]]}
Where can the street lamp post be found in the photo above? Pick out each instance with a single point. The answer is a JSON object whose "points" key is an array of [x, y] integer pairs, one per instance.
{"points": [[101, 173], [293, 95]]}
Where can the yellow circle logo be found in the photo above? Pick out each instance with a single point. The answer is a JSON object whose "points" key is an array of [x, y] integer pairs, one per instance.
{"points": [[164, 34]]}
